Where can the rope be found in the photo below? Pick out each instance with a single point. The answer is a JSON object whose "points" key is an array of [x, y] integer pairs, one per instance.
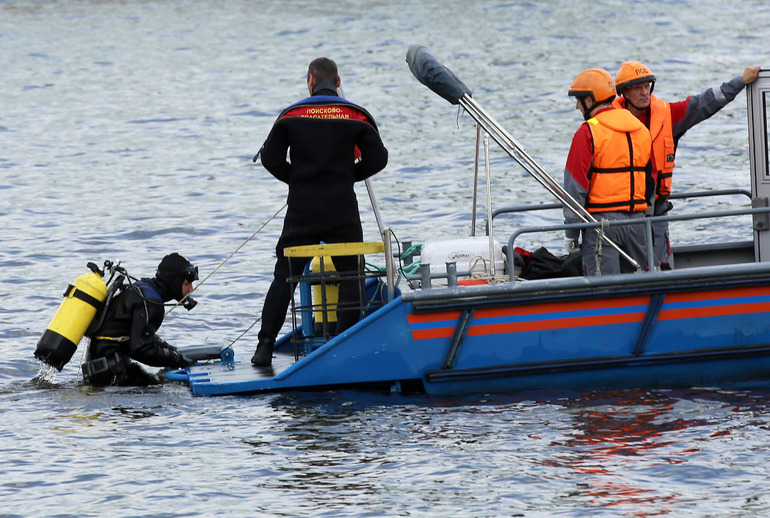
{"points": [[246, 331], [598, 249], [410, 268], [271, 218], [485, 275]]}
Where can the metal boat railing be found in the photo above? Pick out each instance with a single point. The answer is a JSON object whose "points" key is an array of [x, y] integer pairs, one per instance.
{"points": [[642, 221], [315, 317], [676, 196], [425, 277]]}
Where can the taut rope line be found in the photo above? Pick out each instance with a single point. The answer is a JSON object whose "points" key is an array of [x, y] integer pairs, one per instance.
{"points": [[271, 218]]}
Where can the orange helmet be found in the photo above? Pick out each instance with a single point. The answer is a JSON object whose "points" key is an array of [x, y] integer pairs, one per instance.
{"points": [[595, 83], [632, 73]]}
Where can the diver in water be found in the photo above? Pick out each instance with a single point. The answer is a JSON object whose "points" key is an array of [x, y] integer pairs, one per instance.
{"points": [[127, 329]]}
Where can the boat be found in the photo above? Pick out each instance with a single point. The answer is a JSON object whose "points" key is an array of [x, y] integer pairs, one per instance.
{"points": [[455, 317]]}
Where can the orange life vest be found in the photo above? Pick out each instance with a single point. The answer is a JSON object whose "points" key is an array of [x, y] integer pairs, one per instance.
{"points": [[622, 148], [663, 148]]}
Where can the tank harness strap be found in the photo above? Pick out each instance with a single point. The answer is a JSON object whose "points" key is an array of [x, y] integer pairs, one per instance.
{"points": [[116, 363], [73, 291], [113, 338], [149, 291]]}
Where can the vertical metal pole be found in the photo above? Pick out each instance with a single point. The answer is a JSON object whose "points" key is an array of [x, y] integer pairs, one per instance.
{"points": [[451, 273], [389, 271], [489, 207], [424, 271], [385, 233], [475, 180], [375, 207]]}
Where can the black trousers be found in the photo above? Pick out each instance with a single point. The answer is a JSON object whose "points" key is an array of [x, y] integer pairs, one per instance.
{"points": [[280, 292]]}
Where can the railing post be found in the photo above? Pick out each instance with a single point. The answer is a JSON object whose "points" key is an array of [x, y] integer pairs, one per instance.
{"points": [[425, 276], [451, 273]]}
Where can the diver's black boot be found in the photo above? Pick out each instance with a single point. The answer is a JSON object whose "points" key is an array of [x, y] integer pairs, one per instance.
{"points": [[263, 356]]}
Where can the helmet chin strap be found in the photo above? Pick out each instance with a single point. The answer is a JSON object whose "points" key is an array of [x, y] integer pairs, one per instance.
{"points": [[586, 110]]}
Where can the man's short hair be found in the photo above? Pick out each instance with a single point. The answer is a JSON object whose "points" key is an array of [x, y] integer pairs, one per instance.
{"points": [[323, 68]]}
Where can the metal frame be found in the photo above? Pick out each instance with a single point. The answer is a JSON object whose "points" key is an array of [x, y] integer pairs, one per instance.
{"points": [[757, 95], [519, 154]]}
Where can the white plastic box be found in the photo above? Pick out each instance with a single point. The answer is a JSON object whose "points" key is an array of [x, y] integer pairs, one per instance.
{"points": [[469, 253]]}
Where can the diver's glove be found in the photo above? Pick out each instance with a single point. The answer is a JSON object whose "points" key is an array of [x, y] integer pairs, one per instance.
{"points": [[185, 361], [182, 360]]}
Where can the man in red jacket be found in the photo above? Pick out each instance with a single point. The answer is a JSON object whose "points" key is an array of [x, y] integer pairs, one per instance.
{"points": [[609, 173], [332, 144], [667, 123]]}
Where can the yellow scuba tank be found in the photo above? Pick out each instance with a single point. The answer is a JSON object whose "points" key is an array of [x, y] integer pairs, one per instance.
{"points": [[331, 295], [81, 302]]}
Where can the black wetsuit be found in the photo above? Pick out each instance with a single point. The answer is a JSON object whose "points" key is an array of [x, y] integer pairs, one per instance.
{"points": [[322, 204], [128, 333]]}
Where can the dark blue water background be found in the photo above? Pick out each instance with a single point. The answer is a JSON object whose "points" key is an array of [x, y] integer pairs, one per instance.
{"points": [[127, 131]]}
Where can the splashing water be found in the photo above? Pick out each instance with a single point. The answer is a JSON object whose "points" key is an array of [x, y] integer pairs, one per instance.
{"points": [[46, 373]]}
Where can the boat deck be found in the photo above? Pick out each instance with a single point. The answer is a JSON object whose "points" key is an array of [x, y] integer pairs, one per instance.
{"points": [[241, 370]]}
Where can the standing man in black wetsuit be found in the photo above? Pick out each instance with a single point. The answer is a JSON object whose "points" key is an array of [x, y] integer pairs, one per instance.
{"points": [[130, 323], [332, 144]]}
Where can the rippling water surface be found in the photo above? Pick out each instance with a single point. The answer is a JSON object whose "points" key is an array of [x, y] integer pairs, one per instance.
{"points": [[127, 131]]}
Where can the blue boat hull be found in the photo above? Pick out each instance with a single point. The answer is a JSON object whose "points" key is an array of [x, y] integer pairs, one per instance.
{"points": [[703, 324], [701, 327]]}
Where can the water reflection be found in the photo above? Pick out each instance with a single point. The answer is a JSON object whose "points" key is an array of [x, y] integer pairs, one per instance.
{"points": [[129, 129], [619, 442]]}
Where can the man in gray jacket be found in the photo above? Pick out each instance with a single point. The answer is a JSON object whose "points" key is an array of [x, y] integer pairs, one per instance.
{"points": [[667, 123]]}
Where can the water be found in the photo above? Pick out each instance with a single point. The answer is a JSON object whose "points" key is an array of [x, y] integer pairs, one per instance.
{"points": [[127, 132]]}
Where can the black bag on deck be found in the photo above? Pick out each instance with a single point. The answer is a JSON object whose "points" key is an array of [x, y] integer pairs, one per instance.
{"points": [[572, 265], [542, 264]]}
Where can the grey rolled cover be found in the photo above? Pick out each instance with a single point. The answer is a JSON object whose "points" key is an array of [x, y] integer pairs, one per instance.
{"points": [[434, 75]]}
